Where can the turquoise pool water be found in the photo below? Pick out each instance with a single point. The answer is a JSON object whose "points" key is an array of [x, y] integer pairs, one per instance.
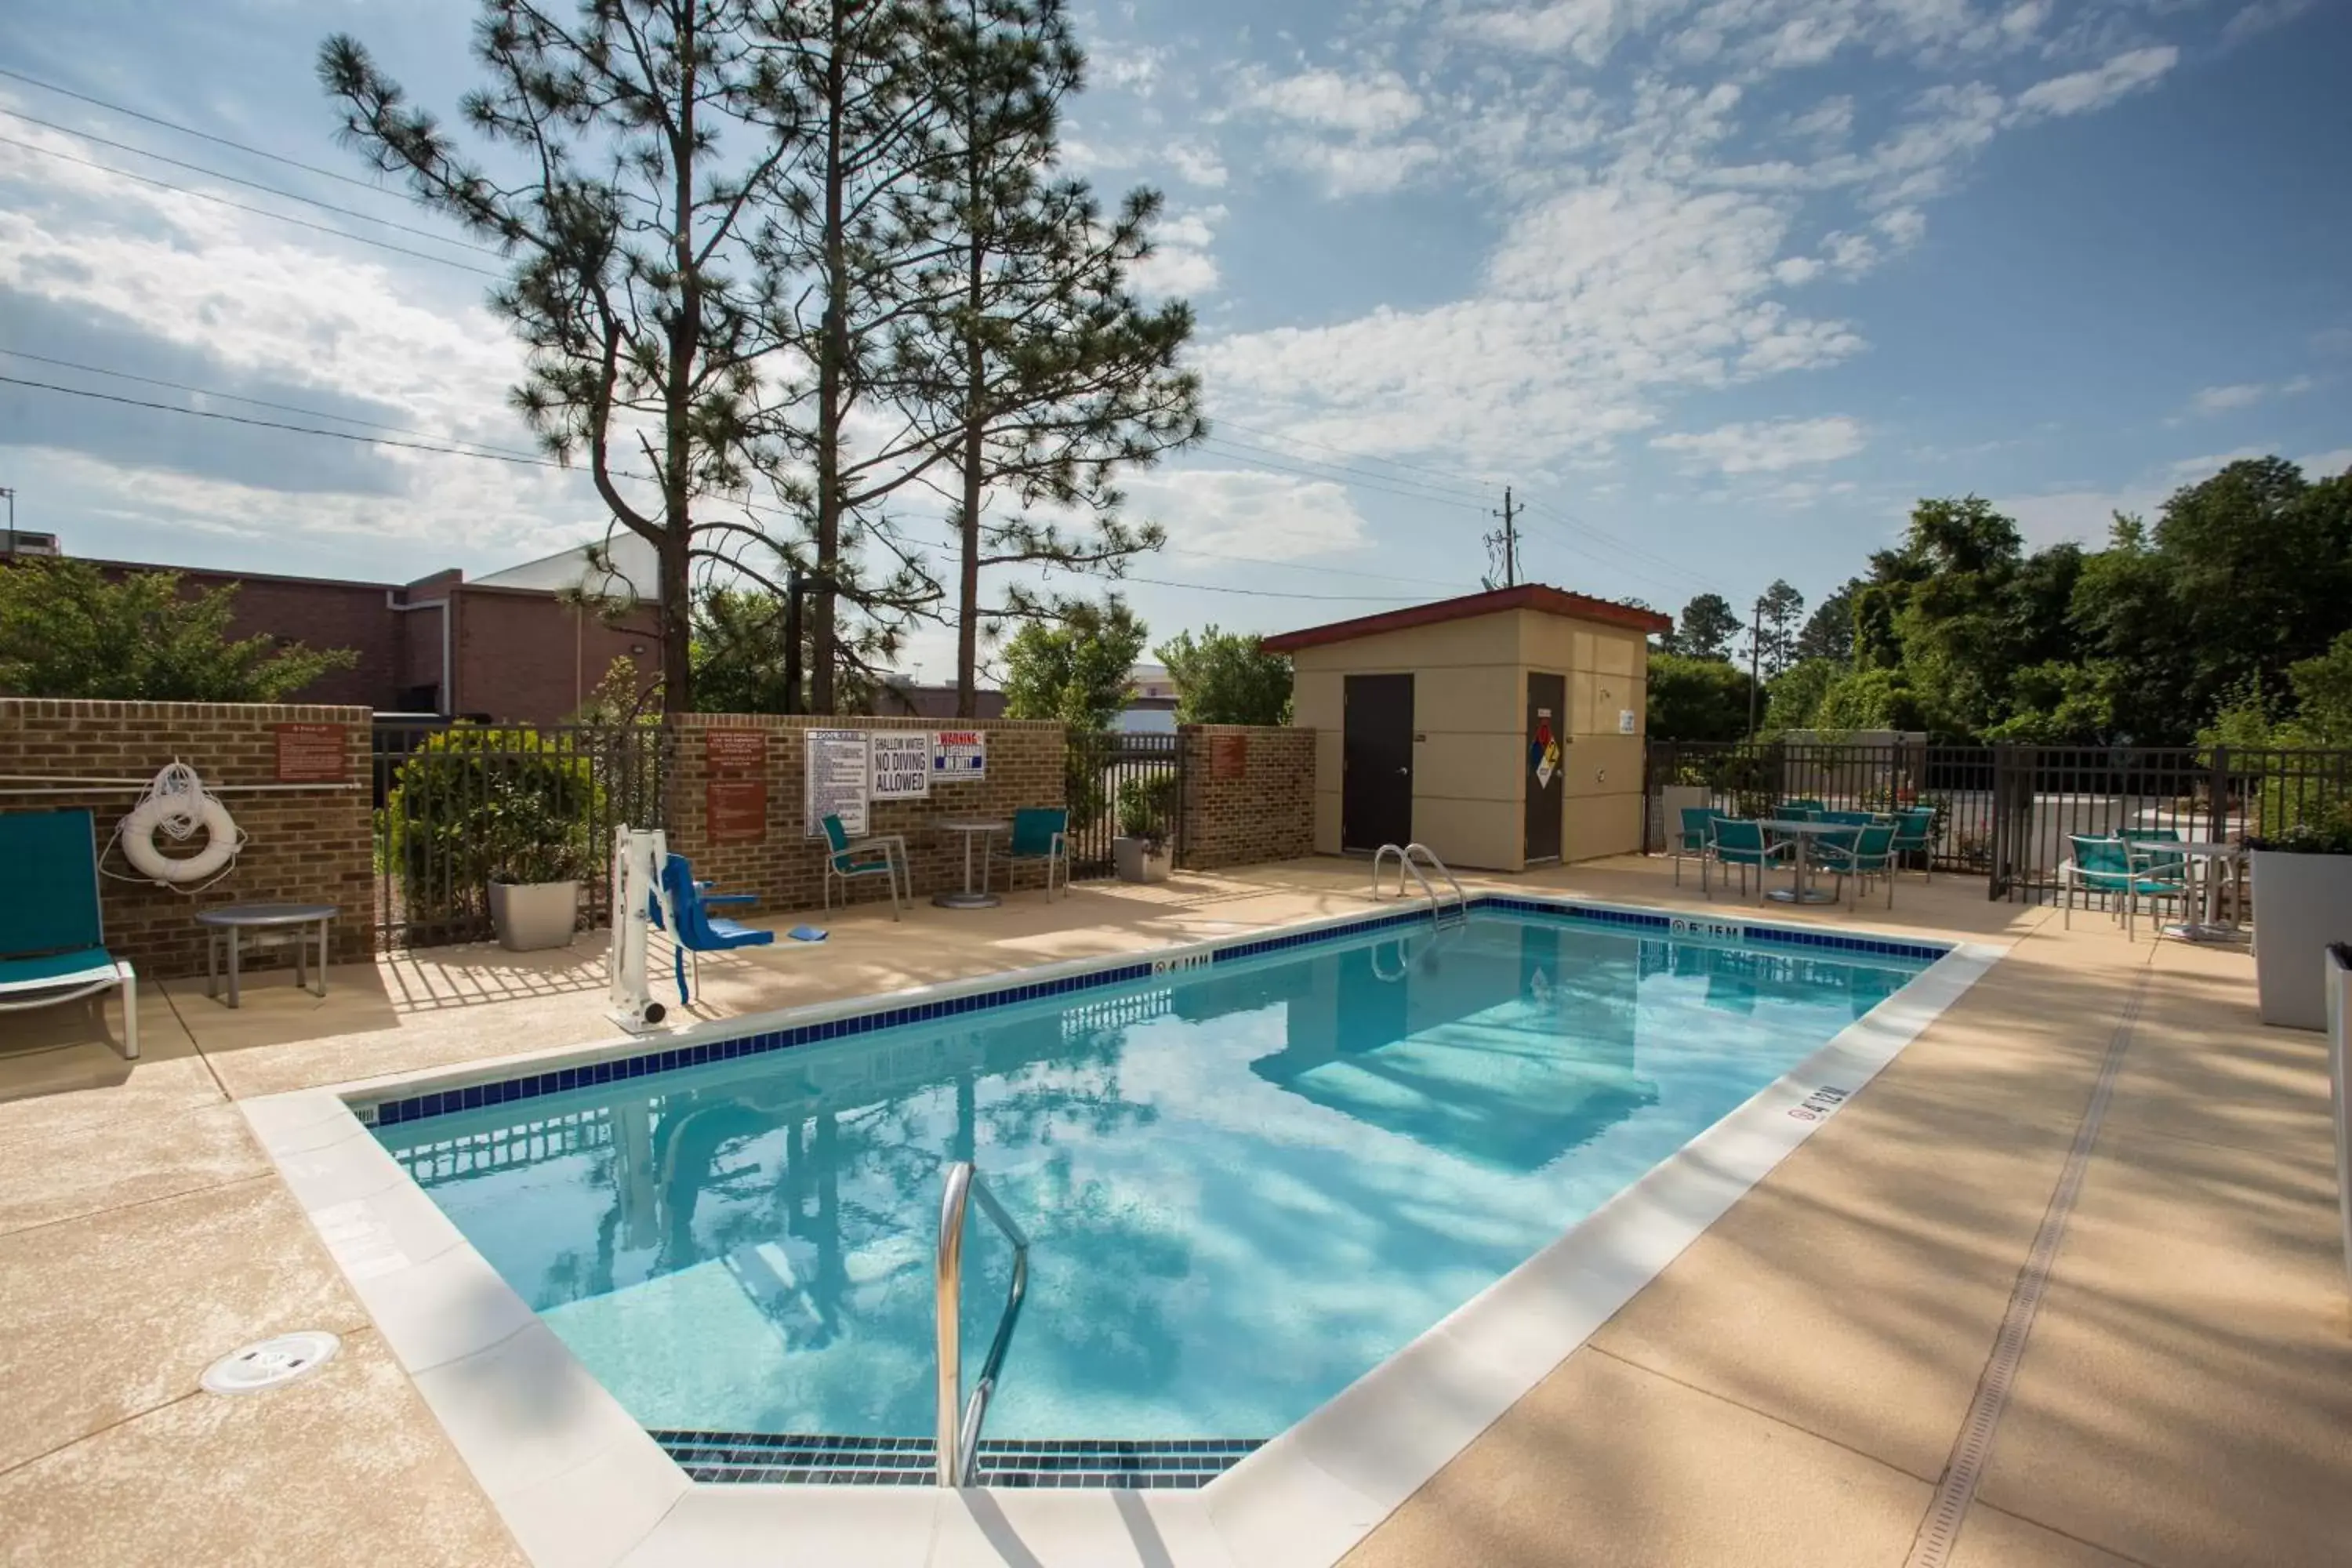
{"points": [[1245, 1186]]}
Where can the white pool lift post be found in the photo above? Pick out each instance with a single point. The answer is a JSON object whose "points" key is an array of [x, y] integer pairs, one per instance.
{"points": [[638, 856]]}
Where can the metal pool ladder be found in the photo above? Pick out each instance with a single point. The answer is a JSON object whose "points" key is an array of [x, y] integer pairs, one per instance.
{"points": [[959, 1421], [1405, 854]]}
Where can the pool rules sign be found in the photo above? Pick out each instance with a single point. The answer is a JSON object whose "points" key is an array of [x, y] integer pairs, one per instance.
{"points": [[902, 764], [836, 780]]}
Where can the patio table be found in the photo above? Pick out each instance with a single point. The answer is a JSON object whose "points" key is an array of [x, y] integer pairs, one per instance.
{"points": [[231, 922], [2208, 856], [969, 896], [1802, 892]]}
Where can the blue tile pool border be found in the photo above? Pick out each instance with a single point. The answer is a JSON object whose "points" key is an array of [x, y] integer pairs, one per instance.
{"points": [[563, 1081]]}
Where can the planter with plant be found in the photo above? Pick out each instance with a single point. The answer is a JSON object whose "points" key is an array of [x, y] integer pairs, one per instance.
{"points": [[536, 864], [2303, 903], [1146, 806]]}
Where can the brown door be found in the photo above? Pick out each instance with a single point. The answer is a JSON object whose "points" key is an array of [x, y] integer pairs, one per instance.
{"points": [[1547, 762], [1376, 762]]}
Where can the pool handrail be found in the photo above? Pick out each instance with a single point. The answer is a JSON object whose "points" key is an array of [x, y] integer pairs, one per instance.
{"points": [[1404, 854], [958, 1421]]}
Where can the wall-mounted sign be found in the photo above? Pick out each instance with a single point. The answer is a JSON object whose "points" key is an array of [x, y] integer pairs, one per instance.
{"points": [[959, 756], [312, 753], [735, 748], [1229, 756], [1625, 721], [902, 764], [836, 780], [736, 810]]}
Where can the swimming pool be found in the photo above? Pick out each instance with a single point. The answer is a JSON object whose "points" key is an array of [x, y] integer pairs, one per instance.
{"points": [[1246, 1183]]}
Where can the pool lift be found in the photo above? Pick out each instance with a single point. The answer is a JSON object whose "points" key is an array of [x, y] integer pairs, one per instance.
{"points": [[638, 856], [958, 1420], [1406, 854]]}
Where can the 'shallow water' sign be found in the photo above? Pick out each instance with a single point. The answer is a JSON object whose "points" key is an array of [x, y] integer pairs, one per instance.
{"points": [[902, 764]]}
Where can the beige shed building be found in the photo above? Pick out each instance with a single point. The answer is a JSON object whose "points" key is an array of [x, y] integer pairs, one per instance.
{"points": [[1503, 729]]}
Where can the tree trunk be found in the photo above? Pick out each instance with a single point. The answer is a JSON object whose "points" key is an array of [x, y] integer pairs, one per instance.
{"points": [[832, 367], [677, 543], [975, 377]]}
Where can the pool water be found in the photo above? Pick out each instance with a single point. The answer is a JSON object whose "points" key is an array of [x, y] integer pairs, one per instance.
{"points": [[1245, 1186]]}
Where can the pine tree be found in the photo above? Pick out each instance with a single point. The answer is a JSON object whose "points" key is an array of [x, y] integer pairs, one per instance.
{"points": [[1045, 374], [633, 286]]}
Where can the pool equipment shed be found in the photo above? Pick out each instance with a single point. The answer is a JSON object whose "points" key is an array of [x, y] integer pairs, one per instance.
{"points": [[1504, 729]]}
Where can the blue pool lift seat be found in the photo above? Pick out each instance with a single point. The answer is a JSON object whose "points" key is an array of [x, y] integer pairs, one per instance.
{"points": [[52, 937], [699, 930]]}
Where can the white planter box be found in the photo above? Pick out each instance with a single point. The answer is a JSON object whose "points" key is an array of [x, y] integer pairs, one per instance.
{"points": [[2302, 903], [2339, 1058], [529, 916], [1135, 861]]}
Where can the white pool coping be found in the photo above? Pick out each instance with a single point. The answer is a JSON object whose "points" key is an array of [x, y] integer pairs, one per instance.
{"points": [[580, 1485]]}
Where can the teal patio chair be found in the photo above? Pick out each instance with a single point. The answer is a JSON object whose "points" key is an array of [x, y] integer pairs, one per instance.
{"points": [[2112, 868], [52, 933], [1869, 853], [880, 855], [1803, 809], [1039, 832], [1736, 841], [1851, 818], [1914, 826], [1691, 841]]}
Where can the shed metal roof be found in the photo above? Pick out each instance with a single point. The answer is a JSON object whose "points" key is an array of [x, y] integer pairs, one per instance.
{"points": [[1524, 596]]}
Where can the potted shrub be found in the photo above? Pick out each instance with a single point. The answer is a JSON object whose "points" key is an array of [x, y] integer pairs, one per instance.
{"points": [[537, 866], [2303, 903], [1139, 851]]}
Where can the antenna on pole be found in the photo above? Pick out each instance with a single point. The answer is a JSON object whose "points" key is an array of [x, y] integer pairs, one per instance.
{"points": [[1506, 541]]}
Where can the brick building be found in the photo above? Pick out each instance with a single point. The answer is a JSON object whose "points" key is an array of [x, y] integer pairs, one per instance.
{"points": [[511, 648]]}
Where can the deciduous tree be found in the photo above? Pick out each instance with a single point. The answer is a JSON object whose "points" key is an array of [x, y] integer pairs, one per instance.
{"points": [[67, 630], [1227, 677]]}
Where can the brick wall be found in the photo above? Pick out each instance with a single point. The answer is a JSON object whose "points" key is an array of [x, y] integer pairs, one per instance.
{"points": [[527, 658], [1263, 810], [307, 846], [785, 869]]}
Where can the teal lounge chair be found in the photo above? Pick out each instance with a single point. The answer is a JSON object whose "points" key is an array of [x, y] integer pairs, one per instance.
{"points": [[1039, 832], [52, 938], [1870, 853], [883, 854], [1739, 842], [1915, 823], [1691, 841], [2113, 868]]}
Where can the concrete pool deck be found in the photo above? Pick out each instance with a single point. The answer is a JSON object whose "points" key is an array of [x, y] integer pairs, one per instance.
{"points": [[1788, 1391]]}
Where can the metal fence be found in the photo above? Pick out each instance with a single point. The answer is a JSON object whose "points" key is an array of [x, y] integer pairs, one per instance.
{"points": [[1121, 784], [457, 803], [2008, 812]]}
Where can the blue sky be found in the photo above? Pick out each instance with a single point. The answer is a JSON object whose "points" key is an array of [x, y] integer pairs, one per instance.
{"points": [[1719, 287]]}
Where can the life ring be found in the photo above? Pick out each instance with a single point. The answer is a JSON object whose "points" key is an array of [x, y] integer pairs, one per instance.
{"points": [[221, 840]]}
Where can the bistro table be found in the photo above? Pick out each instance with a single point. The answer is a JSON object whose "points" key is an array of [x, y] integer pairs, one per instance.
{"points": [[969, 896], [231, 922], [1805, 831], [2211, 858]]}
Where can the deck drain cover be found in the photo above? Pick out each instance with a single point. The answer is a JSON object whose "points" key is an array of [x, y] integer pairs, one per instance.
{"points": [[272, 1364]]}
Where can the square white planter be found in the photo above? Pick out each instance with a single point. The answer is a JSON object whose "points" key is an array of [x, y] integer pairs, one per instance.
{"points": [[1135, 861], [2302, 903], [530, 916]]}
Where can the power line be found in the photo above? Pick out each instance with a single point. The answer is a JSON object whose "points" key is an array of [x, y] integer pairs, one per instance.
{"points": [[1213, 445], [1218, 440], [1272, 594], [260, 402], [1298, 567], [240, 206], [1350, 452], [250, 184], [192, 131]]}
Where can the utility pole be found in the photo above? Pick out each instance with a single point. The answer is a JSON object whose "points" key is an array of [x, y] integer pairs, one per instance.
{"points": [[1508, 538], [11, 495], [1754, 636]]}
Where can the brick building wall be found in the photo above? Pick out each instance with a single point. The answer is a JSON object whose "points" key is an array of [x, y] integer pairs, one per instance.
{"points": [[311, 845], [1249, 794], [785, 868], [527, 658]]}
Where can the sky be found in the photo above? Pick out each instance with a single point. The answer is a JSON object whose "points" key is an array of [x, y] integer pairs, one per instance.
{"points": [[1716, 288]]}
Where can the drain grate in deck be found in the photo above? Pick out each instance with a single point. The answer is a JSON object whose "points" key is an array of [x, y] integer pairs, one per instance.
{"points": [[1142, 1463]]}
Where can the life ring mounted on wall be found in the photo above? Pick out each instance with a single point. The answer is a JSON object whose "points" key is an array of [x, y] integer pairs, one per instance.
{"points": [[176, 806]]}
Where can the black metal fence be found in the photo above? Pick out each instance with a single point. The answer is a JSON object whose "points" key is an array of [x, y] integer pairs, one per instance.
{"points": [[458, 804], [1121, 785], [2007, 812]]}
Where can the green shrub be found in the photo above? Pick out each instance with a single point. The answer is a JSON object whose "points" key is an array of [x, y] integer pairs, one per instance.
{"points": [[475, 805]]}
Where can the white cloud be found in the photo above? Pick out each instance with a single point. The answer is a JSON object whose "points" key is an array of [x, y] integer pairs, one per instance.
{"points": [[2187, 470], [1245, 513], [1586, 29], [1354, 169], [1180, 263], [1377, 105], [2261, 17], [1767, 447], [2080, 93], [2246, 393], [2077, 516], [2326, 465], [1197, 164]]}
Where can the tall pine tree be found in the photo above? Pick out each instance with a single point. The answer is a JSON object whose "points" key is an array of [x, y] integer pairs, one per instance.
{"points": [[1043, 373]]}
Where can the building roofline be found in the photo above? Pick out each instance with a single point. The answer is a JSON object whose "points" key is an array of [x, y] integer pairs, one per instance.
{"points": [[1524, 596]]}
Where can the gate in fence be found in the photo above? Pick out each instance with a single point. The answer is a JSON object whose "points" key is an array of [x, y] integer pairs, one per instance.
{"points": [[2009, 813], [460, 805], [1121, 785]]}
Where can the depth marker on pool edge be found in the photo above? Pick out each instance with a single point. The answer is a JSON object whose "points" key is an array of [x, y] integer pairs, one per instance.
{"points": [[1939, 1531]]}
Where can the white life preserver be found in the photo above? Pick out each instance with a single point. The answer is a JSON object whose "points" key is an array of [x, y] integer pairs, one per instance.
{"points": [[221, 840]]}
